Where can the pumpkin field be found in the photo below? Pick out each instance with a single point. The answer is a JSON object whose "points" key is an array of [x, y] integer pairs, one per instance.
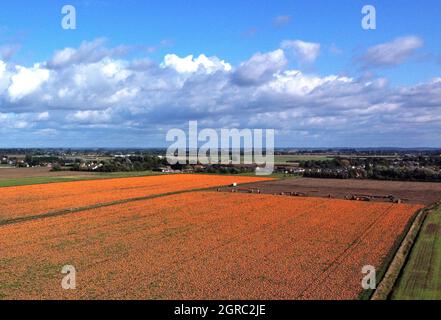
{"points": [[33, 200], [167, 237]]}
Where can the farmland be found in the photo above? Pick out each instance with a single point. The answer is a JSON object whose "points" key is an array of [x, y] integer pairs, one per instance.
{"points": [[190, 244], [10, 177], [421, 277], [409, 192], [286, 159], [33, 200]]}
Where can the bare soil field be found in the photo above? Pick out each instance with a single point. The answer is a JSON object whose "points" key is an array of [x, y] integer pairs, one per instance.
{"points": [[409, 192]]}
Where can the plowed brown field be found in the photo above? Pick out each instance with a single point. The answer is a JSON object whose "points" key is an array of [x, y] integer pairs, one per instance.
{"points": [[203, 245]]}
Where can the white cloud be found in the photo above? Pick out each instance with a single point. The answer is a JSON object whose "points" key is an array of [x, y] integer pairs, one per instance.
{"points": [[123, 95], [4, 77], [2, 68], [260, 68], [391, 53], [43, 116], [26, 81], [90, 116], [190, 64], [115, 69], [20, 124], [136, 100], [294, 82], [63, 57], [88, 52], [13, 121], [306, 52]]}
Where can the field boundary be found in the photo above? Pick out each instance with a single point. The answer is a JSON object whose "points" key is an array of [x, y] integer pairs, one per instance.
{"points": [[387, 284]]}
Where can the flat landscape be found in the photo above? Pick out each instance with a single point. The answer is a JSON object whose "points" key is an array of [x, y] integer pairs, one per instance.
{"points": [[159, 238], [409, 192]]}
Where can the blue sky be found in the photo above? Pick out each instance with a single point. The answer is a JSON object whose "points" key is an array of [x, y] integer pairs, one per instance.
{"points": [[355, 87]]}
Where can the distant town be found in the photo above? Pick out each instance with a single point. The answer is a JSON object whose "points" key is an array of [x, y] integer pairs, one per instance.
{"points": [[378, 164]]}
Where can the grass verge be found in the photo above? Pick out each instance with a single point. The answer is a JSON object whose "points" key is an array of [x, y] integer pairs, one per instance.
{"points": [[420, 279], [395, 260]]}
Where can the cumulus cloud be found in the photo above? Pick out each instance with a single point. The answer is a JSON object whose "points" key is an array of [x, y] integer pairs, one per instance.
{"points": [[90, 116], [88, 52], [113, 101], [190, 64], [259, 68], [306, 52], [391, 53], [26, 81]]}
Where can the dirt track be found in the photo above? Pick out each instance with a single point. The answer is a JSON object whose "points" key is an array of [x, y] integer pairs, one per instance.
{"points": [[410, 192]]}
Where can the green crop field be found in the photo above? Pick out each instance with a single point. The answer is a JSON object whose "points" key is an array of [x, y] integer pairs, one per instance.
{"points": [[48, 179], [283, 159], [421, 277]]}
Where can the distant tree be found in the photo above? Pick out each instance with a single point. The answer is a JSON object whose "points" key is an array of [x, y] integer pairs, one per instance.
{"points": [[56, 167]]}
